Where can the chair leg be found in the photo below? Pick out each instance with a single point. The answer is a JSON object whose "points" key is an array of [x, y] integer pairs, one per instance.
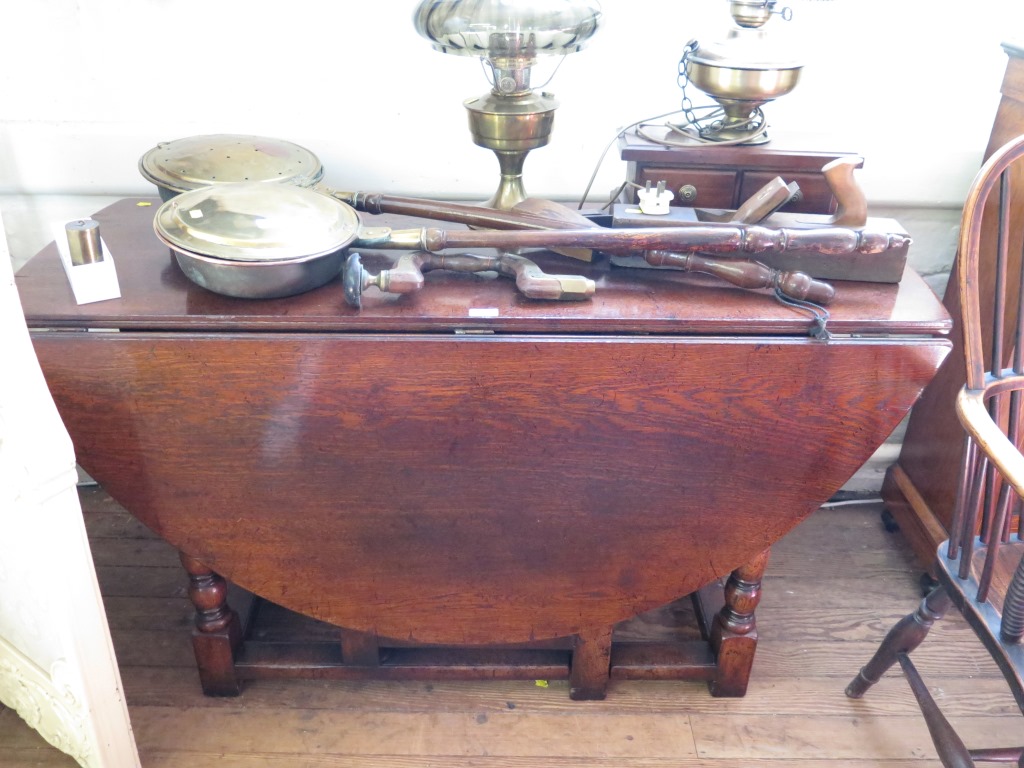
{"points": [[1014, 755], [908, 633], [952, 751]]}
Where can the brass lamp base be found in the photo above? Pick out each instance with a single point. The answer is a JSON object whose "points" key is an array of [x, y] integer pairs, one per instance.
{"points": [[511, 126], [742, 74], [739, 123]]}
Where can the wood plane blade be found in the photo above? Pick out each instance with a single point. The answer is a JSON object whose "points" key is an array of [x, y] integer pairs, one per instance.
{"points": [[772, 196]]}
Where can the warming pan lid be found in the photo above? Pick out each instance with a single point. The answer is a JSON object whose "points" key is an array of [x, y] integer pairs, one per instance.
{"points": [[251, 221], [199, 161]]}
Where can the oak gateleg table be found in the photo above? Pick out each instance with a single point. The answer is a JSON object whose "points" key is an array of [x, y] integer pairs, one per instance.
{"points": [[463, 482]]}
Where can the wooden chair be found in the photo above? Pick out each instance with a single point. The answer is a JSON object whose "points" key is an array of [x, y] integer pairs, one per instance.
{"points": [[979, 568]]}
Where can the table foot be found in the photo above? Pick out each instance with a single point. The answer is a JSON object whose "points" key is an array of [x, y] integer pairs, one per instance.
{"points": [[734, 629], [360, 649], [217, 633], [590, 667]]}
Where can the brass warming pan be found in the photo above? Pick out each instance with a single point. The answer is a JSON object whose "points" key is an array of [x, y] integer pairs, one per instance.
{"points": [[223, 158]]}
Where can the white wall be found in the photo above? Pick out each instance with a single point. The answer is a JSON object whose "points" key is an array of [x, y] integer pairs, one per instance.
{"points": [[87, 86]]}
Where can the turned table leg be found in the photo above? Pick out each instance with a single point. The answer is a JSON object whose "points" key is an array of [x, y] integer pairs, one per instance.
{"points": [[591, 665], [217, 632], [734, 629]]}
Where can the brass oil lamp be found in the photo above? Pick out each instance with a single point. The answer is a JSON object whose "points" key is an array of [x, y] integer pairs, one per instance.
{"points": [[509, 36], [742, 73]]}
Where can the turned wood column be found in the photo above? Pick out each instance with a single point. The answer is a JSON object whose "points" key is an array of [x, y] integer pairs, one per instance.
{"points": [[217, 632], [734, 630]]}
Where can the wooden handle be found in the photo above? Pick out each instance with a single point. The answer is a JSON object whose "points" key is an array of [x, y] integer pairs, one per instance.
{"points": [[534, 283], [747, 274], [852, 206], [800, 285], [405, 277], [457, 213], [715, 238], [531, 213]]}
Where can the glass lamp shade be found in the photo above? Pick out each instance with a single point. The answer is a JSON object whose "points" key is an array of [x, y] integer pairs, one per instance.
{"points": [[507, 29], [509, 36]]}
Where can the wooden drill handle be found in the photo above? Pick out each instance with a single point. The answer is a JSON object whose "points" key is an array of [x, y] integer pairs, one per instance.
{"points": [[747, 274], [531, 280], [534, 283], [406, 276]]}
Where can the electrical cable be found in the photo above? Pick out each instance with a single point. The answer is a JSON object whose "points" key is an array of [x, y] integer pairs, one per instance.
{"points": [[686, 129], [692, 131], [600, 160]]}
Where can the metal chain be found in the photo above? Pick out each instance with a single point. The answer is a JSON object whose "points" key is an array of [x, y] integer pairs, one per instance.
{"points": [[713, 122], [683, 79]]}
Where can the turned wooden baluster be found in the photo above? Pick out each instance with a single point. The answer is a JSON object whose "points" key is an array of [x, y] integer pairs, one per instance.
{"points": [[747, 274], [734, 630], [903, 638], [217, 632], [716, 238]]}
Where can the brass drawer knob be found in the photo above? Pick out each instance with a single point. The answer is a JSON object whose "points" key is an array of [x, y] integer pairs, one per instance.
{"points": [[688, 192]]}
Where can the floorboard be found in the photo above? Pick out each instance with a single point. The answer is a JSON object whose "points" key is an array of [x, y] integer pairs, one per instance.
{"points": [[834, 586]]}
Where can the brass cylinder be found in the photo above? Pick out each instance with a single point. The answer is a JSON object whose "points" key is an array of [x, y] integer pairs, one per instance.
{"points": [[84, 241]]}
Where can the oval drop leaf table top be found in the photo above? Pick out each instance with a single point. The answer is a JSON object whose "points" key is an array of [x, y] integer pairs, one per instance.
{"points": [[373, 469]]}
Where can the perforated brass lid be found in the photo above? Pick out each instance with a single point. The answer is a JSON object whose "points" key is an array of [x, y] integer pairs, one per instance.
{"points": [[249, 221], [200, 161]]}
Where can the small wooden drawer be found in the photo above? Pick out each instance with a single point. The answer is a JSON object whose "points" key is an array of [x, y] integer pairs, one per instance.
{"points": [[694, 187]]}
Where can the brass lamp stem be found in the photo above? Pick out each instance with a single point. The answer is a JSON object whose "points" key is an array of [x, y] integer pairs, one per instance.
{"points": [[511, 126], [510, 189]]}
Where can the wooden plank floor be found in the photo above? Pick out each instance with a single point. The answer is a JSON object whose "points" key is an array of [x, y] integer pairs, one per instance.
{"points": [[834, 586]]}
